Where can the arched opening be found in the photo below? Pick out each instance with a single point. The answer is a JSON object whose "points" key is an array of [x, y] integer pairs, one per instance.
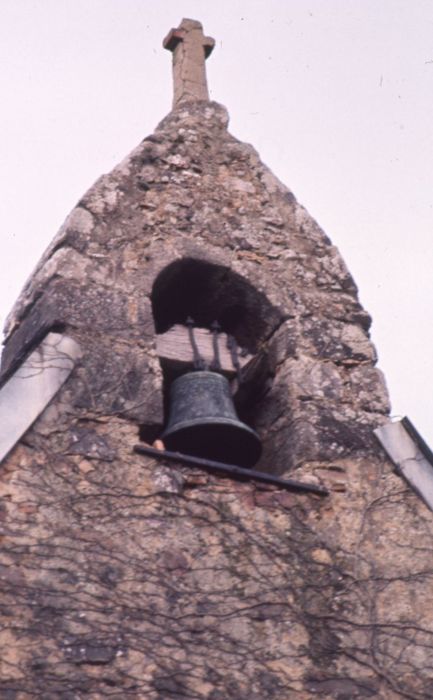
{"points": [[208, 293]]}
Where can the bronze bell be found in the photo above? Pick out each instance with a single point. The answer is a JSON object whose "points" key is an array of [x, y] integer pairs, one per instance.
{"points": [[203, 422]]}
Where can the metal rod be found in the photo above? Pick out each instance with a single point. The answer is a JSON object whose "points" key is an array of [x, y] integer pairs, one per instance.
{"points": [[232, 347], [199, 362], [231, 470], [216, 362]]}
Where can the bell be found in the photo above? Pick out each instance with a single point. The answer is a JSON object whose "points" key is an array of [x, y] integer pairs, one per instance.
{"points": [[202, 421]]}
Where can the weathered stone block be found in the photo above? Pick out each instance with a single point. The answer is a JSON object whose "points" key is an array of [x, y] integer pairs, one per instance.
{"points": [[338, 341], [368, 384]]}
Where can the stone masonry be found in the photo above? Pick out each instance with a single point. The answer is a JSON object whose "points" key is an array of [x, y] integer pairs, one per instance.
{"points": [[124, 577]]}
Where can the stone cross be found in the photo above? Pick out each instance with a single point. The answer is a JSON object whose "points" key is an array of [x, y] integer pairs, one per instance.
{"points": [[190, 49]]}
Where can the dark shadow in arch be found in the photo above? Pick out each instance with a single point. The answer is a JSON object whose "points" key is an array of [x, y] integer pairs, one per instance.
{"points": [[209, 292]]}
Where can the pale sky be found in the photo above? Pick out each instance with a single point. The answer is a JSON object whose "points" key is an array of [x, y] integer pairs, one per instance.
{"points": [[336, 95]]}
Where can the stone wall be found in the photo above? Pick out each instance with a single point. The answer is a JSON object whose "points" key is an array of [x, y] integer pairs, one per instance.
{"points": [[126, 578]]}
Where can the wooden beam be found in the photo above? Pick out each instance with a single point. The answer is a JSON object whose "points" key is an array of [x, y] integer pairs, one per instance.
{"points": [[174, 348]]}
